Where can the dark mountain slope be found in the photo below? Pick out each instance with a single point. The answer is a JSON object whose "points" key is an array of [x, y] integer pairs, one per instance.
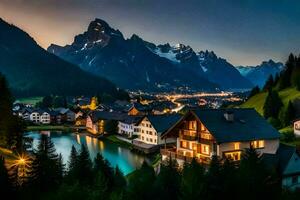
{"points": [[130, 63], [32, 71]]}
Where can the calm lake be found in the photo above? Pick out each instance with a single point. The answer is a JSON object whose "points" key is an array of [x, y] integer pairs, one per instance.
{"points": [[126, 160]]}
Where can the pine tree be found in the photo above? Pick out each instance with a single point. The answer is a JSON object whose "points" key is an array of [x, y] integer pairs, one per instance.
{"points": [[102, 166], [252, 175], [73, 164], [228, 177], [214, 178], [295, 76], [167, 184], [193, 183], [85, 167], [289, 114], [60, 168], [272, 104], [276, 79], [44, 170], [269, 83], [119, 179], [254, 179], [285, 77], [254, 91], [100, 188], [11, 128], [140, 184], [5, 183]]}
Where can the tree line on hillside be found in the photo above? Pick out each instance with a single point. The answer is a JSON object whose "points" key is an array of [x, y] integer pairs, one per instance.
{"points": [[11, 127], [45, 176], [56, 101], [274, 110]]}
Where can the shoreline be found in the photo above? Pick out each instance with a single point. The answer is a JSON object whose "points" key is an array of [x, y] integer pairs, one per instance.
{"points": [[51, 128]]}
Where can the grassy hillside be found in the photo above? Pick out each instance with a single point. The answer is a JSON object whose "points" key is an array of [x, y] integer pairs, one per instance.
{"points": [[258, 100], [30, 100]]}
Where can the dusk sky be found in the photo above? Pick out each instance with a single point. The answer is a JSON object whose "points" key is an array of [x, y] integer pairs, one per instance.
{"points": [[243, 32]]}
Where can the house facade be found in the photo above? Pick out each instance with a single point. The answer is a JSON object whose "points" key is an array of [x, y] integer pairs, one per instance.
{"points": [[45, 118], [102, 122], [128, 126], [201, 134], [150, 128], [40, 117], [286, 162]]}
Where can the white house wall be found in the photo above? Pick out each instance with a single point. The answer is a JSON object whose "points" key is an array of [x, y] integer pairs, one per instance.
{"points": [[297, 128], [270, 147]]}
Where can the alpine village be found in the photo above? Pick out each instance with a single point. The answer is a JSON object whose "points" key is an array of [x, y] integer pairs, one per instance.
{"points": [[116, 117]]}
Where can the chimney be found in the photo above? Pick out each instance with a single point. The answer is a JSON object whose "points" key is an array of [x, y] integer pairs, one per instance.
{"points": [[229, 116]]}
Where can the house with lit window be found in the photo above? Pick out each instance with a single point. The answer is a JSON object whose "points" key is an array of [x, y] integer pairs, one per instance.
{"points": [[203, 133], [139, 109], [128, 126], [151, 127], [286, 162], [39, 116], [103, 122]]}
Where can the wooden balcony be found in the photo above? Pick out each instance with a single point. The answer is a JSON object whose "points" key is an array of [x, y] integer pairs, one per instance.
{"points": [[188, 137], [171, 153]]}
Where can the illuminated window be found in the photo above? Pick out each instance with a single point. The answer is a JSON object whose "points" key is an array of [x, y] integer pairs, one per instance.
{"points": [[194, 147], [236, 146], [192, 125], [206, 136], [257, 144], [233, 155], [205, 149], [184, 144]]}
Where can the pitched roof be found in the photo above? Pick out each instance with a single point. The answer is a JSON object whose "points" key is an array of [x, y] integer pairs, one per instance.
{"points": [[281, 159], [285, 152], [40, 111], [247, 125], [140, 107], [162, 123], [24, 110], [131, 119], [105, 115]]}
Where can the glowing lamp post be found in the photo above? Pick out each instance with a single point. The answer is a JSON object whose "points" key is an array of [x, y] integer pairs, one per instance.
{"points": [[21, 163]]}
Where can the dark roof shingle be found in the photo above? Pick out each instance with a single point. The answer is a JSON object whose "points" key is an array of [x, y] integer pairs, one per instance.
{"points": [[247, 125], [162, 123]]}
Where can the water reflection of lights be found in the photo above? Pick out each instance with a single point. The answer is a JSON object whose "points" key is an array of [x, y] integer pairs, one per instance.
{"points": [[95, 141], [88, 140], [119, 150], [78, 139], [46, 133], [101, 145]]}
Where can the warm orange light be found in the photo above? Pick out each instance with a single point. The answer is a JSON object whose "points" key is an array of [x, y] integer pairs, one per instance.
{"points": [[21, 161]]}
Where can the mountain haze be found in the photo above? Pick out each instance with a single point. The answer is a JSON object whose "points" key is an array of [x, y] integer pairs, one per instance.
{"points": [[260, 73]]}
